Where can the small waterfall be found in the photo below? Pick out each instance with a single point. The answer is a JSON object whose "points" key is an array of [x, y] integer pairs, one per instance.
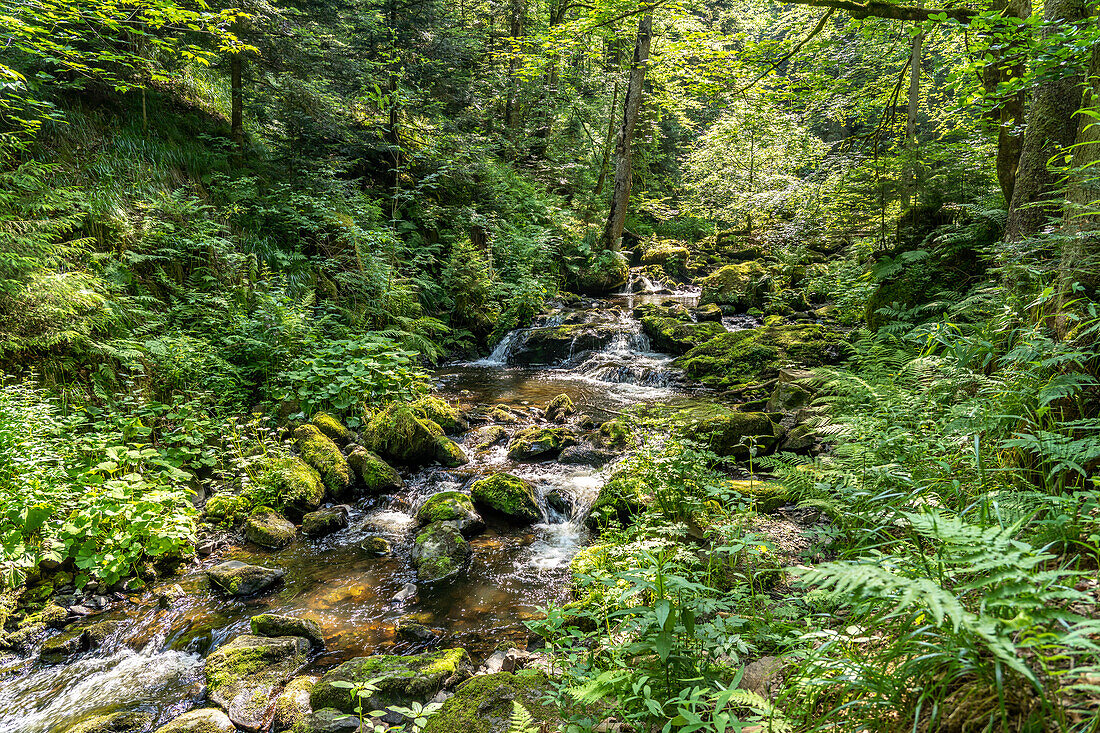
{"points": [[499, 355]]}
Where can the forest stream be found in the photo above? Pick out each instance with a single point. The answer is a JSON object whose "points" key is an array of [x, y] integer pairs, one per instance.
{"points": [[152, 659]]}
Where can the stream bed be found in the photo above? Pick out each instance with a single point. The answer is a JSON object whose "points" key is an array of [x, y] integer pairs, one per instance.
{"points": [[153, 660]]}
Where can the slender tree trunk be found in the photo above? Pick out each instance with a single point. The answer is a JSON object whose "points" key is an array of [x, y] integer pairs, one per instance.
{"points": [[608, 141], [913, 164], [517, 13], [620, 197], [1051, 128], [236, 106]]}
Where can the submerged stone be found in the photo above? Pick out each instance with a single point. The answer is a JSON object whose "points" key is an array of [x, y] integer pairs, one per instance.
{"points": [[509, 495], [239, 579], [400, 679], [244, 676]]}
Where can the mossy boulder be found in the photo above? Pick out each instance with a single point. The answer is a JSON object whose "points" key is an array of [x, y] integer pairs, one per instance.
{"points": [[120, 722], [327, 720], [374, 475], [65, 646], [292, 705], [269, 529], [622, 498], [240, 579], [756, 354], [275, 625], [333, 429], [244, 676], [767, 496], [670, 255], [296, 484], [676, 337], [324, 522], [539, 443], [508, 495], [442, 414], [741, 286], [400, 680], [440, 551], [451, 506], [230, 509], [728, 432], [559, 408], [616, 433], [319, 451], [557, 344], [604, 273], [204, 720], [489, 436], [484, 704], [708, 312], [396, 434]]}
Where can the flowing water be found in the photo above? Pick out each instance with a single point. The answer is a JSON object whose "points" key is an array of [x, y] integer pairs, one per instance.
{"points": [[153, 662]]}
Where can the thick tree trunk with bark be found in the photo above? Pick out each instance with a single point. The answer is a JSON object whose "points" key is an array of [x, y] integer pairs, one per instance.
{"points": [[1009, 54], [616, 216], [1051, 128]]}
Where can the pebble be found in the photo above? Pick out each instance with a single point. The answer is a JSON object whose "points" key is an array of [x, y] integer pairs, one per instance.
{"points": [[409, 591]]}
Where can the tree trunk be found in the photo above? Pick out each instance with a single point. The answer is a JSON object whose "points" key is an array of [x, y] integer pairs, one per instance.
{"points": [[1080, 264], [1009, 52], [236, 106], [517, 14], [616, 216], [913, 163], [1051, 128], [608, 141]]}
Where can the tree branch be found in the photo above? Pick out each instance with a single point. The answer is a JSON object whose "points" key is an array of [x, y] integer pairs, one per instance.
{"points": [[817, 29], [890, 11]]}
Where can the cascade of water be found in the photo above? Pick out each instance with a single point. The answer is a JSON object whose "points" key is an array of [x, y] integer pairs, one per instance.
{"points": [[499, 355]]}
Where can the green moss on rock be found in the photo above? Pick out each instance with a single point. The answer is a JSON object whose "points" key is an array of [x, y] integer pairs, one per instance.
{"points": [[204, 720], [439, 551], [244, 676], [228, 509], [484, 704], [559, 408], [757, 354], [375, 475], [767, 496], [430, 407], [333, 429], [274, 625], [622, 498], [396, 433], [605, 272], [319, 451], [120, 722], [676, 337], [509, 495], [401, 679], [539, 443], [268, 529], [742, 286], [728, 432], [446, 506]]}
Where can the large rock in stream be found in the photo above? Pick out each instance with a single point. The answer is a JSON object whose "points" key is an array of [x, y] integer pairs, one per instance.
{"points": [[240, 579], [245, 676], [120, 722], [557, 344], [396, 434], [674, 336], [400, 680], [204, 720], [728, 432], [740, 286], [374, 474], [440, 551], [452, 507], [484, 704], [508, 495], [270, 530], [539, 443]]}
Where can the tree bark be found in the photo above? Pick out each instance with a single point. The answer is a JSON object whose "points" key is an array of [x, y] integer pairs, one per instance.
{"points": [[1051, 128], [608, 141], [1080, 263], [616, 216], [517, 14], [1009, 58]]}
